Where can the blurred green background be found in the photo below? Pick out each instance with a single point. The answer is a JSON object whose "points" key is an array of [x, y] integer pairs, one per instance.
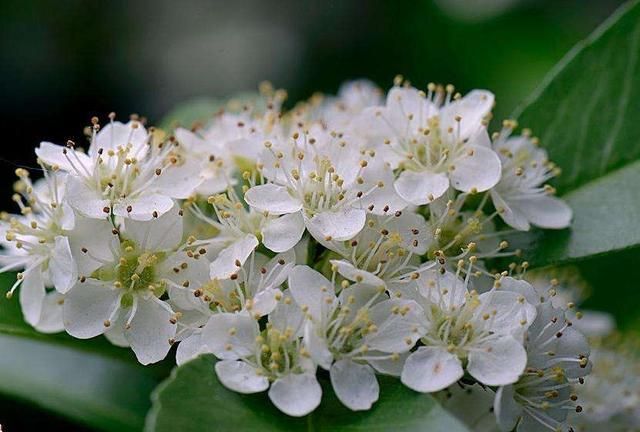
{"points": [[63, 62]]}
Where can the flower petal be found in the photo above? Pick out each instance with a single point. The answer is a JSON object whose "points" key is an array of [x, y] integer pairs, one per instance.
{"points": [[311, 291], [349, 271], [190, 348], [421, 187], [159, 234], [238, 376], [53, 155], [506, 409], [499, 362], [230, 336], [546, 212], [512, 216], [151, 331], [296, 394], [338, 225], [86, 200], [117, 134], [32, 294], [283, 233], [225, 264], [355, 384], [143, 207], [478, 168], [62, 266], [431, 369], [87, 306], [472, 109], [272, 198]]}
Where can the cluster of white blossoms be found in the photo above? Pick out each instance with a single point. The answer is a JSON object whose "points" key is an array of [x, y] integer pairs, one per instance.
{"points": [[355, 235]]}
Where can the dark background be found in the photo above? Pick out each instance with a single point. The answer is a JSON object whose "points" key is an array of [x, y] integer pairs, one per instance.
{"points": [[62, 62]]}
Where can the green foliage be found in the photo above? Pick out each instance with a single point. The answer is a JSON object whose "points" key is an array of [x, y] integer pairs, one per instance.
{"points": [[587, 113], [90, 381], [192, 399]]}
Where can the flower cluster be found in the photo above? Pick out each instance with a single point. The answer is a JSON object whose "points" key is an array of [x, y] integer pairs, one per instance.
{"points": [[354, 234]]}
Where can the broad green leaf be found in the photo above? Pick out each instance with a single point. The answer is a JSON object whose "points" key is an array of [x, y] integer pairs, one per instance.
{"points": [[89, 381], [101, 392], [586, 112], [192, 399]]}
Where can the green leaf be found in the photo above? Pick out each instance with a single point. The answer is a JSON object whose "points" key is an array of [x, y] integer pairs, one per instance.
{"points": [[89, 381], [192, 399], [586, 112], [99, 391]]}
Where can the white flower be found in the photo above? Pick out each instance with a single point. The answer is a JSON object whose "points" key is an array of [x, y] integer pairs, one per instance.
{"points": [[233, 221], [36, 242], [252, 361], [353, 97], [237, 280], [557, 357], [564, 288], [386, 251], [610, 396], [121, 294], [435, 142], [324, 179], [354, 333], [479, 333], [125, 173], [521, 196]]}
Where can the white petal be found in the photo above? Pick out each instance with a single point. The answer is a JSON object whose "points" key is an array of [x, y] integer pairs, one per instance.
{"points": [[478, 168], [150, 331], [272, 198], [240, 377], [97, 237], [316, 344], [546, 212], [117, 134], [521, 287], [283, 233], [311, 290], [157, 234], [265, 301], [190, 348], [51, 315], [510, 314], [115, 332], [431, 369], [225, 264], [349, 271], [506, 409], [62, 267], [355, 384], [472, 109], [390, 366], [511, 215], [396, 332], [87, 306], [143, 206], [421, 187], [53, 155], [499, 362], [296, 394], [86, 200], [341, 224], [230, 336], [32, 294]]}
